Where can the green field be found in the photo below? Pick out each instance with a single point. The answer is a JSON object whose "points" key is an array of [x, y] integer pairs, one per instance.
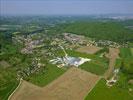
{"points": [[103, 50], [120, 90], [102, 92], [50, 73], [132, 51], [118, 63], [7, 89], [126, 60], [95, 67], [125, 52], [8, 82]]}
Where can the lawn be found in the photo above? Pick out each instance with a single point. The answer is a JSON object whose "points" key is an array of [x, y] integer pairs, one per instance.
{"points": [[102, 92], [50, 73]]}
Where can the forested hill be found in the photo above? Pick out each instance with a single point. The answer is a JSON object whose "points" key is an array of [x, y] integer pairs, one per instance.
{"points": [[114, 31]]}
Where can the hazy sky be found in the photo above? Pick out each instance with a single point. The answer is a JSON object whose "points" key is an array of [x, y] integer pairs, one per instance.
{"points": [[52, 7]]}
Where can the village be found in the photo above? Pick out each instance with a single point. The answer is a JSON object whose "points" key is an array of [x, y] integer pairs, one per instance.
{"points": [[41, 44]]}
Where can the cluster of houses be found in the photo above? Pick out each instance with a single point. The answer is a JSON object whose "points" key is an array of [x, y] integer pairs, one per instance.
{"points": [[73, 38], [30, 45], [82, 40], [107, 43], [33, 68]]}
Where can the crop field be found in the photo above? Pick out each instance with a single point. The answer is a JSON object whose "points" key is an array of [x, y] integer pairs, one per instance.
{"points": [[125, 52], [66, 87], [88, 49], [95, 67], [25, 89], [102, 92]]}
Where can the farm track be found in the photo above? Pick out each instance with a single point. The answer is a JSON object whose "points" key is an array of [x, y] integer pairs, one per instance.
{"points": [[72, 85], [113, 55]]}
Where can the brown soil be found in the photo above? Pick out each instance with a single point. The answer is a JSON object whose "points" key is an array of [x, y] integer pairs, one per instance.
{"points": [[88, 49], [72, 85], [113, 55], [25, 90]]}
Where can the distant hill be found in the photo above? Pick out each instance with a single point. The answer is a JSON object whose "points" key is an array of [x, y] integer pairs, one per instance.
{"points": [[107, 30]]}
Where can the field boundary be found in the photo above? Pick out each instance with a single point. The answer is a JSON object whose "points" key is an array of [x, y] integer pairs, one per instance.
{"points": [[93, 86], [21, 80]]}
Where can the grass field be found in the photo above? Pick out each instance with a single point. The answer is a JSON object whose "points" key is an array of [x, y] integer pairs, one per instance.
{"points": [[103, 50], [88, 49], [102, 92], [125, 52], [118, 63], [7, 90], [127, 60], [132, 51], [48, 75], [95, 67], [8, 82]]}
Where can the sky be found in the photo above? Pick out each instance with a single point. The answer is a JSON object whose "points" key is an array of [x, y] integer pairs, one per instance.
{"points": [[65, 7]]}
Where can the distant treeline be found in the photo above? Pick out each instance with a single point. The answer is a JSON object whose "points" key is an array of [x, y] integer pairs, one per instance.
{"points": [[103, 30]]}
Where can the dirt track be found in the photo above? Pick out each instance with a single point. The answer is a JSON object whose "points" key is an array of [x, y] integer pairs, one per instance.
{"points": [[72, 85], [113, 55]]}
